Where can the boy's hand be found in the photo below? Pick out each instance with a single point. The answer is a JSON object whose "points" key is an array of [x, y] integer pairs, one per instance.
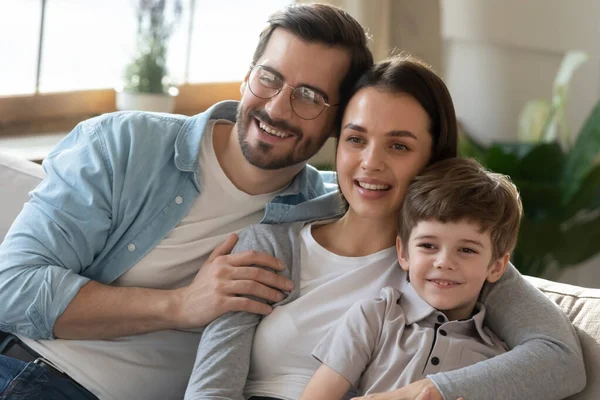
{"points": [[222, 279], [419, 390]]}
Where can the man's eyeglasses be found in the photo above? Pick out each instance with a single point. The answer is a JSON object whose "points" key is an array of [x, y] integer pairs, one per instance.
{"points": [[307, 103]]}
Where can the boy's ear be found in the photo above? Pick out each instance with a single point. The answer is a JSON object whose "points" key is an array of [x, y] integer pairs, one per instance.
{"points": [[498, 267], [402, 254]]}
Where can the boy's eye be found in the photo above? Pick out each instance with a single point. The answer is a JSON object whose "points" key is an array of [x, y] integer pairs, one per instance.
{"points": [[427, 246], [468, 250]]}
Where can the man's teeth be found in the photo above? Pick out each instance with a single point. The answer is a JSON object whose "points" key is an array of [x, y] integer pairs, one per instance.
{"points": [[271, 131], [370, 186]]}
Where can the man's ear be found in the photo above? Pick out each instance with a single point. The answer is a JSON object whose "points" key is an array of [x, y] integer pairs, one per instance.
{"points": [[245, 82], [402, 254], [498, 267]]}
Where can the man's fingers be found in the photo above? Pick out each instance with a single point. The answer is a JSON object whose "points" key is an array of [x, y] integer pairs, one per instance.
{"points": [[252, 288], [248, 305], [224, 248], [252, 257], [424, 395], [263, 276]]}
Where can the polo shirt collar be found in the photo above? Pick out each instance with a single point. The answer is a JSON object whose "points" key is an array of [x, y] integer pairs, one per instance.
{"points": [[416, 309]]}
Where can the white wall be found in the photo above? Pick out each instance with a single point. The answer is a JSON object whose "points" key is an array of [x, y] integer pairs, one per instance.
{"points": [[498, 54]]}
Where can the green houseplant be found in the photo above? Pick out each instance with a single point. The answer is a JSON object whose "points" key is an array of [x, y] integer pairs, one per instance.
{"points": [[146, 85], [558, 178]]}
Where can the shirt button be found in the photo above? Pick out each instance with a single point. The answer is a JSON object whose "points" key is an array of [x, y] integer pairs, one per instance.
{"points": [[441, 318], [131, 247], [435, 361], [178, 199], [443, 332]]}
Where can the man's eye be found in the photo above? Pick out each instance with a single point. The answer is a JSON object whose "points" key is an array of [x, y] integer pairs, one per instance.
{"points": [[308, 96], [268, 79]]}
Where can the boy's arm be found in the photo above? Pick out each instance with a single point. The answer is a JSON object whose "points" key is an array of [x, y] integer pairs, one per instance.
{"points": [[223, 356], [545, 361], [326, 384]]}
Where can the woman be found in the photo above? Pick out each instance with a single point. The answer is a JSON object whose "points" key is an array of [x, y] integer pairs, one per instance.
{"points": [[399, 120]]}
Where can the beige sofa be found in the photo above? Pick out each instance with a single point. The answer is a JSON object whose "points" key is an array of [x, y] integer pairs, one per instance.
{"points": [[18, 177]]}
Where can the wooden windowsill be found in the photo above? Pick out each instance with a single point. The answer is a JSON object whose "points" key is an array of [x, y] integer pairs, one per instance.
{"points": [[30, 126]]}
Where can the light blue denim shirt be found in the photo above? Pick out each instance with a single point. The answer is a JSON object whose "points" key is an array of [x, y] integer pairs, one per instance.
{"points": [[115, 186]]}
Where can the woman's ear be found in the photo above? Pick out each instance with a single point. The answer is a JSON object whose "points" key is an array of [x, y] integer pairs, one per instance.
{"points": [[402, 254], [497, 268]]}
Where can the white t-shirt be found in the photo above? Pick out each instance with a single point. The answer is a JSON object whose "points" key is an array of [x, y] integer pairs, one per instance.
{"points": [[158, 365], [281, 361]]}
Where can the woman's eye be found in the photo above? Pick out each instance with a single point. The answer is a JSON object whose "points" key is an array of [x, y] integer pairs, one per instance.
{"points": [[399, 146], [354, 139]]}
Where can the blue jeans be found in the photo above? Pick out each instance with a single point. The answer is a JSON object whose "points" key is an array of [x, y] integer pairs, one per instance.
{"points": [[28, 381]]}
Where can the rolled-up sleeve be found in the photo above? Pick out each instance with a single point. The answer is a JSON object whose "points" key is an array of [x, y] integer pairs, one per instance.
{"points": [[57, 235]]}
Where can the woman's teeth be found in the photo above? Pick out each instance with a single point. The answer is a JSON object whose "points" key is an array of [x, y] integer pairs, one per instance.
{"points": [[370, 186], [272, 131]]}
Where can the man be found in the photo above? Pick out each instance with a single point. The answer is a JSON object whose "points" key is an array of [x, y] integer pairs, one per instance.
{"points": [[107, 253]]}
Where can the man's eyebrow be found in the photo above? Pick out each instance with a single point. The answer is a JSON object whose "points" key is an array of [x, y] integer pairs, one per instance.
{"points": [[306, 85], [394, 133]]}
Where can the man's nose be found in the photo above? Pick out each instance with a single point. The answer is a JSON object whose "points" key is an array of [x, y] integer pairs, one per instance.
{"points": [[279, 106]]}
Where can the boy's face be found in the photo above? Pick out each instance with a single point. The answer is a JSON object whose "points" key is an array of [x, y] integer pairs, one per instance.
{"points": [[448, 263]]}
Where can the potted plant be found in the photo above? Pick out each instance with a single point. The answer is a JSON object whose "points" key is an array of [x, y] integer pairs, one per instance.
{"points": [[558, 178], [146, 85]]}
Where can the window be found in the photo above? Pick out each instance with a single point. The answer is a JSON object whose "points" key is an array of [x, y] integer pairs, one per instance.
{"points": [[51, 46]]}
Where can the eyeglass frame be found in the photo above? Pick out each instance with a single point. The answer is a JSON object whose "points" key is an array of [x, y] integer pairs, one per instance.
{"points": [[283, 84]]}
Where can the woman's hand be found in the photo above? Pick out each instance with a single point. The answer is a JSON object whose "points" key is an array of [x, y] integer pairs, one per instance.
{"points": [[419, 390]]}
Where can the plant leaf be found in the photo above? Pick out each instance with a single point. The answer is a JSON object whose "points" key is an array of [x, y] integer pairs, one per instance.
{"points": [[588, 195], [584, 155], [501, 161], [532, 120], [543, 163], [541, 200], [572, 60], [580, 242]]}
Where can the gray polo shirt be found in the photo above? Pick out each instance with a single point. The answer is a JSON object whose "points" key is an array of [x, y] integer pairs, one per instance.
{"points": [[385, 343]]}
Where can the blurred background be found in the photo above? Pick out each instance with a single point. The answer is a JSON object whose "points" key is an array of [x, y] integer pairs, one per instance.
{"points": [[62, 61]]}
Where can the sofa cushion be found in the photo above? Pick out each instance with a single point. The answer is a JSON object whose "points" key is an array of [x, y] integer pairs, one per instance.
{"points": [[583, 308], [17, 178]]}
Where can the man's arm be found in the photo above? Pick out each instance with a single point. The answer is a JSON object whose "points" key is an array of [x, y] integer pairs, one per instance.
{"points": [[545, 361], [326, 384], [63, 228], [100, 311]]}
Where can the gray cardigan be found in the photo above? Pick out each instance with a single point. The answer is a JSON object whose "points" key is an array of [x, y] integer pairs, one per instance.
{"points": [[545, 362]]}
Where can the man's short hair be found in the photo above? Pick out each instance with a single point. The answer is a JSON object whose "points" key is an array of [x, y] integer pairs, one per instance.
{"points": [[328, 25], [460, 189]]}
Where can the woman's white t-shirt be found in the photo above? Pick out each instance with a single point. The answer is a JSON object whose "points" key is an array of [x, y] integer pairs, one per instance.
{"points": [[281, 362]]}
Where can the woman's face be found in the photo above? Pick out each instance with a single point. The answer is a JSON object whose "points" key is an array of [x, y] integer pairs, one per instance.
{"points": [[384, 143]]}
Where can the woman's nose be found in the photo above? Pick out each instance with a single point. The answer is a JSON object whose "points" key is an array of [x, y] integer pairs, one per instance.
{"points": [[372, 159]]}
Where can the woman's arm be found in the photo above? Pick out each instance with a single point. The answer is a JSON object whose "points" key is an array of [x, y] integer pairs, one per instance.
{"points": [[545, 361], [326, 384]]}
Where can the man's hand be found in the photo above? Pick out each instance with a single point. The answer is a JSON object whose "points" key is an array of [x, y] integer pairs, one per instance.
{"points": [[217, 287], [419, 390]]}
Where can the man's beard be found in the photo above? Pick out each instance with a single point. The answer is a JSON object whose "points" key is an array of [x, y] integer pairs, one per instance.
{"points": [[261, 155]]}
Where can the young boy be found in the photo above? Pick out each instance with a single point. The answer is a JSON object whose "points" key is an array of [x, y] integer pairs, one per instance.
{"points": [[457, 229]]}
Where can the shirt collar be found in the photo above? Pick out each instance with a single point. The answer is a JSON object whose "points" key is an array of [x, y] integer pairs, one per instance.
{"points": [[416, 309]]}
